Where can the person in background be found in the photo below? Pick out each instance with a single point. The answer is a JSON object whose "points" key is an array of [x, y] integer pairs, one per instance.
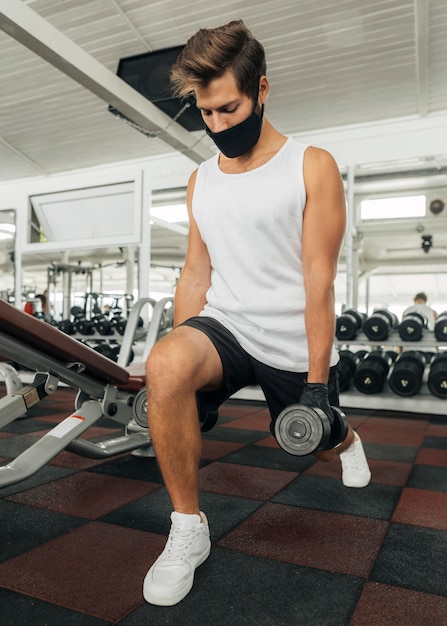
{"points": [[255, 300], [420, 306]]}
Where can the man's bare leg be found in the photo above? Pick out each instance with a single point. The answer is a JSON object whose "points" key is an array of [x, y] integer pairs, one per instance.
{"points": [[180, 364]]}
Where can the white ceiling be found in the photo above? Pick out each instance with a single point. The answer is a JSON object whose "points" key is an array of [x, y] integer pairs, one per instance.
{"points": [[331, 63]]}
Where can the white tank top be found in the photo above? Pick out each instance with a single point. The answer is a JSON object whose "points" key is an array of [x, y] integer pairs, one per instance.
{"points": [[251, 224]]}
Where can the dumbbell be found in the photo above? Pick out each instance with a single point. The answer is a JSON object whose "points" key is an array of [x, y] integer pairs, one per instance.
{"points": [[437, 376], [66, 326], [301, 430], [207, 417], [106, 350], [412, 326], [104, 325], [120, 324], [441, 327], [348, 324], [378, 326], [408, 371], [84, 326], [347, 367], [372, 372]]}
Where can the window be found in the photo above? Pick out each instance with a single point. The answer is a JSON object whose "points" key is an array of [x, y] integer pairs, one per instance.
{"points": [[392, 208]]}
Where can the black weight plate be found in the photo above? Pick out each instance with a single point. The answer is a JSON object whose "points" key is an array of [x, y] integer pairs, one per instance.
{"points": [[406, 379], [209, 421], [437, 380]]}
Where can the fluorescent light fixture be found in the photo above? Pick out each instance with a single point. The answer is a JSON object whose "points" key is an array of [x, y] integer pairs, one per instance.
{"points": [[392, 208], [171, 213]]}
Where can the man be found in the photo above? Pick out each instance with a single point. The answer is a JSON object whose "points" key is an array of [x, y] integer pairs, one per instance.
{"points": [[420, 306], [255, 300]]}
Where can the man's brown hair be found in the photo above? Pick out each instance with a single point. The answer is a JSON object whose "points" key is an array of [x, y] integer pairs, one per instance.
{"points": [[211, 52]]}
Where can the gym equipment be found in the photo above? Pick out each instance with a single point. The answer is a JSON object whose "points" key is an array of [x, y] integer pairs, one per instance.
{"points": [[437, 376], [104, 388], [372, 372], [407, 375], [412, 326], [301, 430], [104, 326], [348, 324], [66, 326], [441, 327], [378, 326], [347, 367], [207, 418]]}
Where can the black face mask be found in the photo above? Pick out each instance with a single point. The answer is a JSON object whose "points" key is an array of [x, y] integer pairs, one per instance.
{"points": [[236, 140]]}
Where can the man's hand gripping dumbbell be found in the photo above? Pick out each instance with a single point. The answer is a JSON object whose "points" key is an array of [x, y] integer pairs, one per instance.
{"points": [[313, 426]]}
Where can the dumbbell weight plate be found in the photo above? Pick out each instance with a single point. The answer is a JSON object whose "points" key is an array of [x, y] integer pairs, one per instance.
{"points": [[139, 408], [301, 430]]}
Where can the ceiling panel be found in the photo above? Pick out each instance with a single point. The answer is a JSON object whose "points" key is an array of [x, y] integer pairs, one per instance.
{"points": [[330, 63]]}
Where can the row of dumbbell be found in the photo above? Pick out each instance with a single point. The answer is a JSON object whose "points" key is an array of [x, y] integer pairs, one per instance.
{"points": [[369, 371], [101, 324], [378, 326]]}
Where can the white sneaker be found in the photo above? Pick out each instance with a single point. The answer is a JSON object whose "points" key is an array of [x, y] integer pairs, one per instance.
{"points": [[355, 469], [171, 577]]}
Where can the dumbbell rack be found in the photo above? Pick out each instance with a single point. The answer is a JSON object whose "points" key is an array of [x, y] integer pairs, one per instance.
{"points": [[423, 402]]}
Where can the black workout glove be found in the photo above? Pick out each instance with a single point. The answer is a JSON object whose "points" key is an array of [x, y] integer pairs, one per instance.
{"points": [[316, 396]]}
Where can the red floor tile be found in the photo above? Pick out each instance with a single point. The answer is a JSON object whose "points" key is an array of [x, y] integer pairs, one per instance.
{"points": [[97, 569], [239, 410], [420, 507], [268, 442], [85, 494], [432, 456], [381, 605], [213, 450], [244, 481], [437, 430], [343, 543], [394, 431], [258, 421]]}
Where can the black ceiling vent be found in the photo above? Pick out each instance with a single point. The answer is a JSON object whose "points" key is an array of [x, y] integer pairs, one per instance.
{"points": [[148, 73]]}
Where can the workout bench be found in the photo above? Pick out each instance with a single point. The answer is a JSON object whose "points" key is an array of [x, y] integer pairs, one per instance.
{"points": [[104, 388]]}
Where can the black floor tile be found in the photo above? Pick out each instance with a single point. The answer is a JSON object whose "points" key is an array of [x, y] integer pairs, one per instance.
{"points": [[24, 528], [440, 443], [47, 474], [414, 558], [237, 435], [19, 610], [233, 589], [271, 458], [328, 494], [387, 452], [152, 513], [428, 477], [128, 466]]}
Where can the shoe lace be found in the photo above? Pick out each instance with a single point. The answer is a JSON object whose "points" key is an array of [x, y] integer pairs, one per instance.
{"points": [[178, 542]]}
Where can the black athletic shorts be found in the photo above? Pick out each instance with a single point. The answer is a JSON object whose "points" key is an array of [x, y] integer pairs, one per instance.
{"points": [[281, 388]]}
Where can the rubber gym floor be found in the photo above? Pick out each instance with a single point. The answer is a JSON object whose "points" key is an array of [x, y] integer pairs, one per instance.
{"points": [[291, 545]]}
